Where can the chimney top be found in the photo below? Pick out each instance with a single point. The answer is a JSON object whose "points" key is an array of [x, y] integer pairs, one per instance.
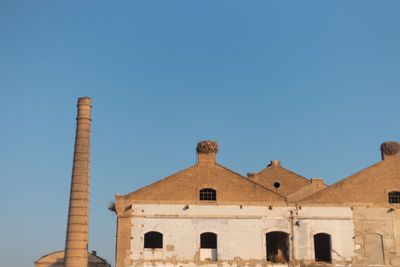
{"points": [[207, 151], [390, 149], [275, 163], [207, 146], [317, 180], [84, 101]]}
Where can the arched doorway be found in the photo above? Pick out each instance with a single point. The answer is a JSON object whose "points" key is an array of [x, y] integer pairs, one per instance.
{"points": [[208, 246], [323, 247], [277, 247], [208, 240]]}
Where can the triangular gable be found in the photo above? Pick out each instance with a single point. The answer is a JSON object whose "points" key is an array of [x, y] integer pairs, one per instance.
{"points": [[287, 180], [184, 187], [366, 186]]}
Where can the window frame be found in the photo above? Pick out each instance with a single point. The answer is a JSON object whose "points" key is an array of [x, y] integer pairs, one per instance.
{"points": [[207, 194], [394, 197]]}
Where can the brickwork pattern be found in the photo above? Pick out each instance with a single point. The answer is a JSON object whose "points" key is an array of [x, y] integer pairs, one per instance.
{"points": [[289, 181], [76, 245]]}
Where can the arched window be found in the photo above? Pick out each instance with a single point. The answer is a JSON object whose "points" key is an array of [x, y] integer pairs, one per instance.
{"points": [[208, 240], [394, 197], [208, 194], [153, 240], [277, 247], [322, 247]]}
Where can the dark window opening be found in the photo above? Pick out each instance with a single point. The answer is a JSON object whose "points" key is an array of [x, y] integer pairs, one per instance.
{"points": [[208, 194], [322, 247], [153, 240], [277, 247], [394, 197], [277, 185], [208, 240]]}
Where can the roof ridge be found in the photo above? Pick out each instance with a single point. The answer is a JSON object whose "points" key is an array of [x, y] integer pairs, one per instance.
{"points": [[286, 169]]}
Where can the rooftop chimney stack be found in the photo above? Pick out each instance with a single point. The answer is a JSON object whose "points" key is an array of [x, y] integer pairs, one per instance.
{"points": [[76, 245], [275, 163], [390, 150], [207, 151]]}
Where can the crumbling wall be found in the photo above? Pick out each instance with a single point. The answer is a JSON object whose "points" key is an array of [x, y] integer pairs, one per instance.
{"points": [[241, 234], [335, 221], [237, 228], [375, 235]]}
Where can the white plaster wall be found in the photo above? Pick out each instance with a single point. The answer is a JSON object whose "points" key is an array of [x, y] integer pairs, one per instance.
{"points": [[211, 210], [381, 221], [240, 230], [235, 237], [335, 221]]}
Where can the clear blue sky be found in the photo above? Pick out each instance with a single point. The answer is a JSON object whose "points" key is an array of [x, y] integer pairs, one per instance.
{"points": [[315, 84]]}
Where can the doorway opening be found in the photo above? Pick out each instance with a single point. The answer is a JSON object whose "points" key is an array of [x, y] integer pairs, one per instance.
{"points": [[208, 240], [322, 247], [277, 247], [208, 246]]}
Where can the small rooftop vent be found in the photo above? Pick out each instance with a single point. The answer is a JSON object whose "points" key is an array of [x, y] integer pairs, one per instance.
{"points": [[274, 163]]}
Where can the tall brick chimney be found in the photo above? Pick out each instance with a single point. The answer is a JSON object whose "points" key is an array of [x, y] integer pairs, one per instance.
{"points": [[76, 245]]}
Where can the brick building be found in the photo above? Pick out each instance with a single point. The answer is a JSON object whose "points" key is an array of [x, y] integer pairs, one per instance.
{"points": [[210, 215]]}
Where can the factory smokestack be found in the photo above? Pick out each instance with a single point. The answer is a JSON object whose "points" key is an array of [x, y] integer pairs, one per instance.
{"points": [[76, 245]]}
